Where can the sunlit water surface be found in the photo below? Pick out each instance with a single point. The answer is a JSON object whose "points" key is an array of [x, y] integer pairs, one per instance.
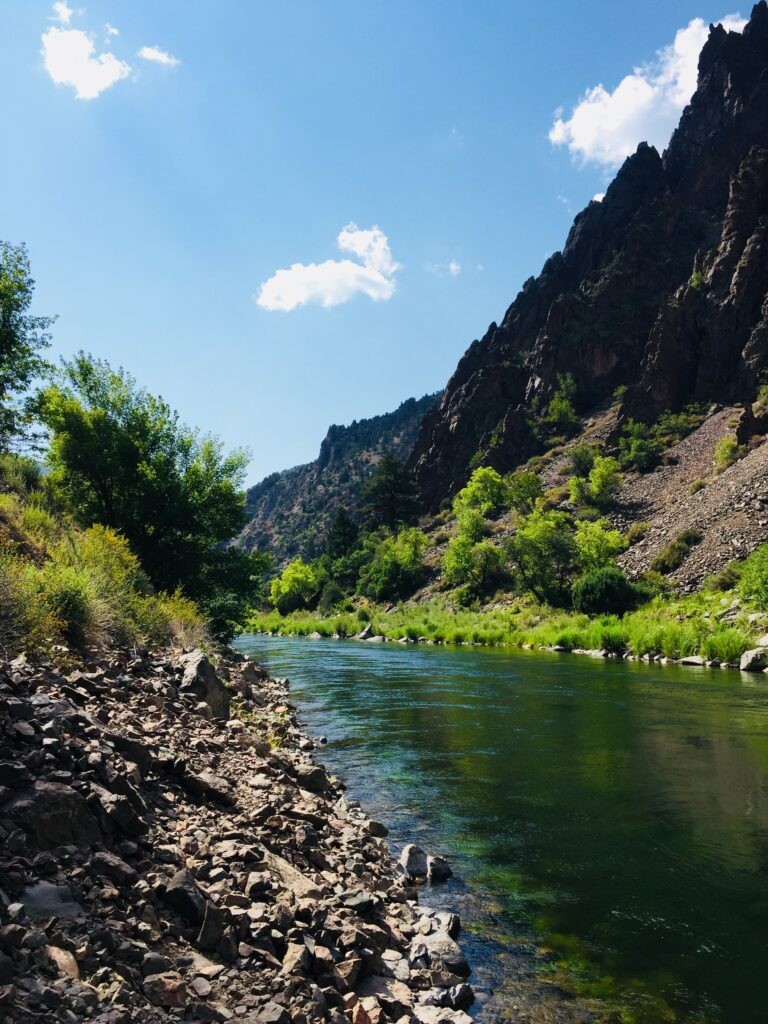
{"points": [[617, 813]]}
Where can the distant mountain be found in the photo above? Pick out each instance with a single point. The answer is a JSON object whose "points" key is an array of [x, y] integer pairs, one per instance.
{"points": [[661, 288], [289, 512]]}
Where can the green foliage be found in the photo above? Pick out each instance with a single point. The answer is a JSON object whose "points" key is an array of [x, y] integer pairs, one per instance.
{"points": [[727, 451], [600, 487], [342, 535], [696, 280], [544, 550], [121, 458], [597, 545], [726, 579], [638, 448], [753, 584], [674, 554], [523, 490], [604, 590], [331, 597], [636, 532], [485, 491], [696, 486], [394, 565], [560, 417], [583, 459], [22, 337], [391, 495], [296, 587]]}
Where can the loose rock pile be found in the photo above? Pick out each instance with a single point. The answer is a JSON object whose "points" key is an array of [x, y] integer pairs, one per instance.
{"points": [[170, 850]]}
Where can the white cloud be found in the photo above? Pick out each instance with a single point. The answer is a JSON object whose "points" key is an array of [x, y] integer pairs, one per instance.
{"points": [[111, 30], [70, 58], [598, 197], [605, 127], [61, 12], [451, 268], [336, 281], [454, 268], [158, 56]]}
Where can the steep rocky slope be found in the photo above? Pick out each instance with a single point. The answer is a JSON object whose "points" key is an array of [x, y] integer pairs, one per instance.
{"points": [[660, 287], [289, 512]]}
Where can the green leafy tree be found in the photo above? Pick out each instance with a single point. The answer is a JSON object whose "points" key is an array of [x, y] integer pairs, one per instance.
{"points": [[297, 586], [395, 565], [583, 459], [597, 545], [22, 337], [638, 447], [342, 535], [544, 550], [391, 494], [523, 490], [560, 417], [122, 458], [485, 491], [600, 487], [604, 591]]}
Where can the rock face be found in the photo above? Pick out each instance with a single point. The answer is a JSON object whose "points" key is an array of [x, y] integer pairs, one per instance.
{"points": [[290, 512], [158, 862], [660, 287]]}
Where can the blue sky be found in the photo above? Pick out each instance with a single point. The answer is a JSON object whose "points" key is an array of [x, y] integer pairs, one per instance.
{"points": [[164, 160]]}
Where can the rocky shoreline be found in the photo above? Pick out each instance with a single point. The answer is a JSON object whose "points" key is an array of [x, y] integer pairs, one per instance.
{"points": [[171, 851]]}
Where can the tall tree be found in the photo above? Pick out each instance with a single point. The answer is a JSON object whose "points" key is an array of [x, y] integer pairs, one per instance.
{"points": [[342, 535], [123, 459], [391, 495], [22, 336]]}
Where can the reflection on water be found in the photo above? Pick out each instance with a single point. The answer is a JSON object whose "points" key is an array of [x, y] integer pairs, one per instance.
{"points": [[619, 812]]}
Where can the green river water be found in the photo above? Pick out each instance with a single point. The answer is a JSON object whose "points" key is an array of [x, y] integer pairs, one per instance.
{"points": [[607, 821]]}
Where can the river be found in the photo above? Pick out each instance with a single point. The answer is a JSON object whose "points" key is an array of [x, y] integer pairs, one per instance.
{"points": [[607, 821]]}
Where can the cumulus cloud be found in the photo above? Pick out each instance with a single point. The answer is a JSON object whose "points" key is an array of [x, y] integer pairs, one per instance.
{"points": [[336, 281], [606, 126], [70, 58], [598, 197], [158, 56]]}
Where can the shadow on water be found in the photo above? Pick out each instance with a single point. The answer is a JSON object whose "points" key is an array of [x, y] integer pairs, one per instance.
{"points": [[616, 813]]}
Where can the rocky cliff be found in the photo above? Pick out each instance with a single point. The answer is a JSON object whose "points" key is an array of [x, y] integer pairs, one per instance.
{"points": [[289, 512], [661, 287]]}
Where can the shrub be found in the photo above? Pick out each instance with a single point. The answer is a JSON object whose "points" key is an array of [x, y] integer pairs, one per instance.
{"points": [[727, 451], [604, 590], [395, 567], [560, 417], [597, 545], [753, 584], [674, 554], [68, 596], [330, 597], [523, 490], [544, 550], [638, 448], [485, 491], [724, 580], [583, 459], [600, 487], [27, 623], [637, 532], [696, 486]]}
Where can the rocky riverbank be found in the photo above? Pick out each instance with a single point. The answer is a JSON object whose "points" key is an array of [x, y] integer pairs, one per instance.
{"points": [[170, 850]]}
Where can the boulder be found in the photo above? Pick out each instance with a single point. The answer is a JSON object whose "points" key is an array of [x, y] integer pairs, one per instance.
{"points": [[413, 861], [438, 869], [442, 952], [166, 990], [200, 679], [54, 815], [183, 894], [753, 661]]}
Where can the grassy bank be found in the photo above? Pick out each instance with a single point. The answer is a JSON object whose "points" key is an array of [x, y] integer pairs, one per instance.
{"points": [[712, 626]]}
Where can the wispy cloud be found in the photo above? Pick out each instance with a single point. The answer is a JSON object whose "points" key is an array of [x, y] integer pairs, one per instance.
{"points": [[158, 56], [606, 126], [450, 269], [70, 56], [334, 282]]}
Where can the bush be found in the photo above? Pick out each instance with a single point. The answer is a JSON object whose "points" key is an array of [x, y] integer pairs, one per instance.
{"points": [[560, 417], [544, 550], [603, 591], [67, 594], [583, 459], [597, 545], [674, 554], [523, 490], [727, 451], [696, 486], [753, 584], [330, 597], [637, 532], [724, 580], [600, 487], [638, 448], [485, 491]]}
